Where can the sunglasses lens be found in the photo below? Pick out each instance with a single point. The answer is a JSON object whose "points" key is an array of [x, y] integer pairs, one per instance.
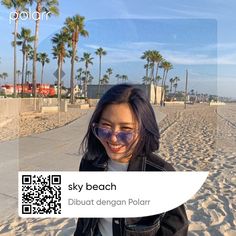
{"points": [[102, 133], [124, 137]]}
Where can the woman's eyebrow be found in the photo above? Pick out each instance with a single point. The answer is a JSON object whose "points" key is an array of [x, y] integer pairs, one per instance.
{"points": [[122, 123]]}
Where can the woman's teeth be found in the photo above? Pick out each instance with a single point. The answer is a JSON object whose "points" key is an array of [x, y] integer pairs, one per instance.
{"points": [[115, 146]]}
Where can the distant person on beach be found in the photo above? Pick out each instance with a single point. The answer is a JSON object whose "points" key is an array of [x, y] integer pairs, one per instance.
{"points": [[122, 136]]}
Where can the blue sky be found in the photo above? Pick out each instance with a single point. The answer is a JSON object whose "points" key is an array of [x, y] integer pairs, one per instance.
{"points": [[196, 35]]}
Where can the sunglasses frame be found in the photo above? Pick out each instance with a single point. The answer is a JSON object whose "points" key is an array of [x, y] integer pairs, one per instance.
{"points": [[96, 125]]}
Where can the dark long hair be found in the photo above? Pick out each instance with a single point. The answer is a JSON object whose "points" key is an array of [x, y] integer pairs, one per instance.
{"points": [[139, 103]]}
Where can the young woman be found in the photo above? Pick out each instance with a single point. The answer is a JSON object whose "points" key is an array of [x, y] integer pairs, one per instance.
{"points": [[122, 136]]}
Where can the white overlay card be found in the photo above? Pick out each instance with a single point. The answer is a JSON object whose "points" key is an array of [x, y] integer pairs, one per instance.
{"points": [[104, 194]]}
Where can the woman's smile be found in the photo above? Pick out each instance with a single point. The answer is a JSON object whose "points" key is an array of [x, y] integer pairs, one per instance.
{"points": [[114, 147]]}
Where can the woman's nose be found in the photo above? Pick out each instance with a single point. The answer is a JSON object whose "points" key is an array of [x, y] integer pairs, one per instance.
{"points": [[113, 137], [114, 134]]}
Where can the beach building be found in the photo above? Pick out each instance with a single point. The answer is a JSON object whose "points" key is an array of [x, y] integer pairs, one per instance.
{"points": [[94, 92]]}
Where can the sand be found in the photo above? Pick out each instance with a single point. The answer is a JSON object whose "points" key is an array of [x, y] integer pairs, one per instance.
{"points": [[198, 138], [33, 123], [203, 138]]}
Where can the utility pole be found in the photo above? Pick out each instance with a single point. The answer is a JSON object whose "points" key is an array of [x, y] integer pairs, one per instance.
{"points": [[186, 89]]}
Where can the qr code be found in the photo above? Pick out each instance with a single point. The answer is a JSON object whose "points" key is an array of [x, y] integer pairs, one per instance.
{"points": [[41, 194]]}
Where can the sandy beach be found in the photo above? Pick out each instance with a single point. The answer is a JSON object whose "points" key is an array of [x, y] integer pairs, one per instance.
{"points": [[203, 138], [198, 138], [33, 123]]}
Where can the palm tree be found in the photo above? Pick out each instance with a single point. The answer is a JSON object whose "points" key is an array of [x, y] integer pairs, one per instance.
{"points": [[171, 84], [75, 27], [86, 78], [78, 77], [166, 67], [89, 77], [146, 56], [30, 57], [24, 38], [28, 51], [118, 77], [18, 6], [28, 74], [157, 58], [43, 58], [87, 59], [124, 78], [151, 74], [3, 76], [152, 58], [158, 79], [70, 53], [18, 72], [100, 52], [105, 79], [176, 80], [59, 52], [145, 80], [109, 72], [146, 67], [175, 86], [51, 8]]}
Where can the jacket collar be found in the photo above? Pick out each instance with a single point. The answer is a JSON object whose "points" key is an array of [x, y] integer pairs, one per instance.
{"points": [[137, 163]]}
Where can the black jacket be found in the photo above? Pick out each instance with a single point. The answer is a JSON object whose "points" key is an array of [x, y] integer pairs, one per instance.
{"points": [[173, 222]]}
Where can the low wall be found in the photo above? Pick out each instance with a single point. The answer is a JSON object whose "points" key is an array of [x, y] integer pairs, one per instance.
{"points": [[217, 103], [49, 109], [10, 107], [80, 101], [174, 103], [92, 102], [36, 104]]}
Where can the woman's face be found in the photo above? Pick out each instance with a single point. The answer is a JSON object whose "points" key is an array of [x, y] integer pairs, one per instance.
{"points": [[119, 117]]}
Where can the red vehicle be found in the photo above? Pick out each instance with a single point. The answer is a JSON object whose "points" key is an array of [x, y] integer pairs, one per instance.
{"points": [[41, 89]]}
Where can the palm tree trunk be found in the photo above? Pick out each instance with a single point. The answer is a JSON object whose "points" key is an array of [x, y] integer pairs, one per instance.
{"points": [[42, 73], [15, 59], [156, 73], [162, 85], [86, 80], [22, 74], [155, 85], [38, 10], [26, 67], [99, 79], [72, 97], [59, 81], [152, 73], [147, 69], [165, 78], [147, 72]]}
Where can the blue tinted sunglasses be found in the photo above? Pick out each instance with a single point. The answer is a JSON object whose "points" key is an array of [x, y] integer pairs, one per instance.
{"points": [[104, 133]]}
